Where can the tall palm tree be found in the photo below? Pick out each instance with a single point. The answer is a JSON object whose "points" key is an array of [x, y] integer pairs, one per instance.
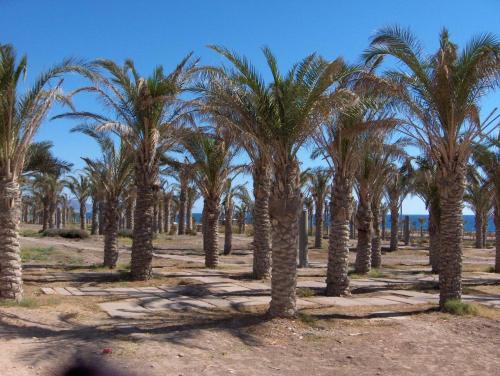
{"points": [[20, 118], [486, 155], [212, 156], [113, 170], [192, 196], [80, 186], [440, 93], [280, 117], [479, 196], [319, 181], [147, 113]]}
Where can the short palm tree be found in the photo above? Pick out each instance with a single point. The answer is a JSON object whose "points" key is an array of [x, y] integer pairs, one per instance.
{"points": [[212, 155], [20, 118], [80, 186], [280, 117], [147, 114], [440, 93], [319, 182], [479, 196], [486, 155], [425, 186], [114, 171], [231, 192], [398, 186], [340, 141]]}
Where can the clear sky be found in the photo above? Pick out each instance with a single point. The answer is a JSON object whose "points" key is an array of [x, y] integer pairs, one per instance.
{"points": [[162, 32]]}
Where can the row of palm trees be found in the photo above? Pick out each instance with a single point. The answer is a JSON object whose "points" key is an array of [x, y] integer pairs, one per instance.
{"points": [[358, 120]]}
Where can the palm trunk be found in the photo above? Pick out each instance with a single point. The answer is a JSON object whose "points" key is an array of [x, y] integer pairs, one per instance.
{"points": [[451, 190], [11, 282], [52, 212], [337, 279], [478, 221], [228, 229], [142, 244], [434, 242], [181, 227], [166, 208], [64, 214], [94, 227], [83, 212], [155, 213], [394, 225], [211, 238], [497, 237], [110, 234], [285, 204], [363, 249], [189, 208], [318, 238], [261, 222], [383, 225], [45, 215], [101, 217], [159, 222], [129, 214], [376, 240], [58, 218]]}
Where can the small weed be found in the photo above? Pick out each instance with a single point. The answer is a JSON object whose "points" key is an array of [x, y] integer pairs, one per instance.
{"points": [[305, 292], [459, 308], [376, 273], [36, 254], [306, 318], [25, 303], [490, 269]]}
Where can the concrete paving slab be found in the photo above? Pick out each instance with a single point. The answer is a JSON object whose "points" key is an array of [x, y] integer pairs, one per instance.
{"points": [[311, 284], [327, 301], [61, 291], [48, 291], [124, 309], [74, 291]]}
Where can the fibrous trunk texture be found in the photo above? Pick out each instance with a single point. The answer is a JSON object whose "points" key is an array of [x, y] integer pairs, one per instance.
{"points": [[394, 226], [11, 283], [363, 249], [94, 226], [129, 214], [228, 229], [189, 214], [434, 243], [261, 222], [478, 222], [83, 214], [181, 226], [376, 239], [211, 239], [451, 191], [285, 204], [110, 234], [497, 237], [318, 236], [303, 240], [167, 215], [142, 245], [337, 280]]}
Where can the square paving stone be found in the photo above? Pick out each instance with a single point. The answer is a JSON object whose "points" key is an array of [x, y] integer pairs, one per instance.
{"points": [[376, 301], [48, 291], [125, 309], [61, 291], [334, 300], [74, 291], [400, 299]]}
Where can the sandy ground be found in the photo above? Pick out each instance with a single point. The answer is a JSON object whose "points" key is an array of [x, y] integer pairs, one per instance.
{"points": [[41, 336]]}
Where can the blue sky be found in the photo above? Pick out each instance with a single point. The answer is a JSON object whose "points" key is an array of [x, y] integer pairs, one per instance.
{"points": [[162, 32]]}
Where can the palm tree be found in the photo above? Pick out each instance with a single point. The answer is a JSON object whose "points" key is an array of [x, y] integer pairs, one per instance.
{"points": [[339, 141], [81, 188], [147, 114], [113, 170], [396, 189], [440, 94], [20, 118], [319, 180], [230, 193], [487, 156], [192, 196], [280, 117], [425, 186], [211, 155], [479, 196]]}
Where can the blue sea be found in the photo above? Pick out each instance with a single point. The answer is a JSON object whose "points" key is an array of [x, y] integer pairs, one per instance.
{"points": [[414, 224]]}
